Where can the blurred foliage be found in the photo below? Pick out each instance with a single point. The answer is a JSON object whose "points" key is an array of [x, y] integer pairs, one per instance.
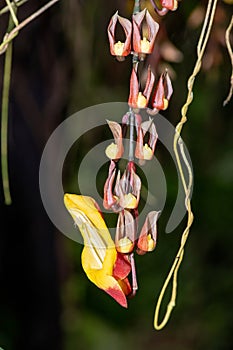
{"points": [[85, 75]]}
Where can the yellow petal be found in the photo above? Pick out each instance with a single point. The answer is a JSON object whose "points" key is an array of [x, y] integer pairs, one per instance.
{"points": [[112, 151], [141, 101], [119, 48], [130, 201], [147, 152], [99, 253], [145, 45], [87, 205]]}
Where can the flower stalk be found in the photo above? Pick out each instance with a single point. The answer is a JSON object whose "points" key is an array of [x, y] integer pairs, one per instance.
{"points": [[110, 267]]}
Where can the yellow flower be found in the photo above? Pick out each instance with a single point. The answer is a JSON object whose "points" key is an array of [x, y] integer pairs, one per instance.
{"points": [[103, 265]]}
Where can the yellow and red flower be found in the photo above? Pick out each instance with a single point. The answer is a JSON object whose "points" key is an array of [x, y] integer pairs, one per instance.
{"points": [[139, 99], [145, 151], [103, 265], [126, 192], [118, 48], [163, 92], [163, 6], [144, 35], [148, 235], [116, 149]]}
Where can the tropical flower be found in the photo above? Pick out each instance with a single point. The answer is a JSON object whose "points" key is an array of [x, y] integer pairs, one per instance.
{"points": [[162, 93], [126, 192], [115, 150], [103, 265], [144, 43], [125, 232], [145, 151], [163, 6], [138, 99], [148, 236], [118, 48]]}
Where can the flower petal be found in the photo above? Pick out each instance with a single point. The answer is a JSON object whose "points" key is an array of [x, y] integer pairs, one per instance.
{"points": [[134, 90], [117, 134], [109, 199], [119, 49], [103, 278], [144, 45], [122, 266], [170, 4], [149, 84], [125, 232], [163, 92], [99, 255], [148, 236]]}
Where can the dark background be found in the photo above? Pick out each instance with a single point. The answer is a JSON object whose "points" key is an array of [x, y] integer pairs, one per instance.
{"points": [[61, 64]]}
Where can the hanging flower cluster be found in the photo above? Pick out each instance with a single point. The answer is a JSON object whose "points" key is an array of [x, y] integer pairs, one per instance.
{"points": [[109, 262], [141, 41]]}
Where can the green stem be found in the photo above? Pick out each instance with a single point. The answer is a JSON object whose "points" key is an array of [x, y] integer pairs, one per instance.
{"points": [[14, 32], [16, 3], [135, 62], [12, 12], [4, 121], [131, 135], [136, 7]]}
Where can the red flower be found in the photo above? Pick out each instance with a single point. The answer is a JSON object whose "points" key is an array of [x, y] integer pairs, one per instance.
{"points": [[115, 150], [110, 201], [162, 93], [126, 193], [148, 236], [125, 232], [103, 265], [144, 44], [138, 99], [163, 6], [146, 151], [120, 49]]}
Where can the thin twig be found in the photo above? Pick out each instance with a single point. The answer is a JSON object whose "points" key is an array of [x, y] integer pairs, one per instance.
{"points": [[202, 42], [4, 119], [17, 3], [229, 48], [7, 46], [15, 31], [12, 12]]}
